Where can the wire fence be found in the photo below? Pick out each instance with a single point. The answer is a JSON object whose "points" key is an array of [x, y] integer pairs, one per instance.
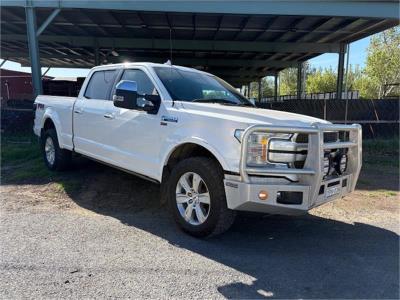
{"points": [[317, 96], [379, 118]]}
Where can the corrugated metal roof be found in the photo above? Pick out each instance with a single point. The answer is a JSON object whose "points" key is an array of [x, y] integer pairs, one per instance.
{"points": [[239, 47]]}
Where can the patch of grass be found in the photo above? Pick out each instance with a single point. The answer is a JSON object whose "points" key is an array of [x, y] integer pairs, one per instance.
{"points": [[35, 169], [384, 152], [21, 158], [382, 192], [14, 152], [68, 185], [22, 161]]}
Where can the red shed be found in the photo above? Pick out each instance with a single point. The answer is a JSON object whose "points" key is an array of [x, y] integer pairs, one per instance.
{"points": [[16, 85]]}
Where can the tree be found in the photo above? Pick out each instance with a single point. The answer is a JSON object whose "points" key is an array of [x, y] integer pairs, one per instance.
{"points": [[288, 81], [382, 69], [267, 88], [321, 81]]}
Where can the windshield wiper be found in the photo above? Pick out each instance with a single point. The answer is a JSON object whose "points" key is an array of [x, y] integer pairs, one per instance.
{"points": [[215, 100], [222, 102]]}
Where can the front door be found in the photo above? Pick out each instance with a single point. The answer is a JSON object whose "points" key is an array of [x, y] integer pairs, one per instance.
{"points": [[134, 135]]}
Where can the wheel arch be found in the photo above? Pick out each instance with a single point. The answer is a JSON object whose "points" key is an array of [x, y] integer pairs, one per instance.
{"points": [[190, 149], [50, 121]]}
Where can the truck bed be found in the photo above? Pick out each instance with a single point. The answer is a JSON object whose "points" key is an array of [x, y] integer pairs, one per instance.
{"points": [[59, 109]]}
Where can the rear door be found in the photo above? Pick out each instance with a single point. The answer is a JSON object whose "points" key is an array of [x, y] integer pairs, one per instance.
{"points": [[90, 118]]}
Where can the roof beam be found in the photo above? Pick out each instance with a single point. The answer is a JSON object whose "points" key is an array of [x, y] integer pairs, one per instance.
{"points": [[350, 25], [216, 29], [369, 9], [46, 23], [177, 60], [198, 45], [240, 73]]}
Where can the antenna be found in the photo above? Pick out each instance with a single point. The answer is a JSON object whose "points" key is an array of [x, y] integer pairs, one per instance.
{"points": [[170, 44], [170, 58]]}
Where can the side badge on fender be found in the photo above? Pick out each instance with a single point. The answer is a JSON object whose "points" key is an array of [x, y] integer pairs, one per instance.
{"points": [[165, 119]]}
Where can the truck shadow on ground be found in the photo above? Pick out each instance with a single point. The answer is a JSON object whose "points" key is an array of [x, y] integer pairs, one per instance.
{"points": [[288, 257]]}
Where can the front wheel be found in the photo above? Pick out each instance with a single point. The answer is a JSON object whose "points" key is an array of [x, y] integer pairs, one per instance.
{"points": [[55, 158], [197, 197]]}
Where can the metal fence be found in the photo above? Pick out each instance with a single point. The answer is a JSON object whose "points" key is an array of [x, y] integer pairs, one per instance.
{"points": [[379, 118], [316, 96]]}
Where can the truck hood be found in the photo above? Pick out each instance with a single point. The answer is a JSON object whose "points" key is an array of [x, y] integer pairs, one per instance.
{"points": [[249, 115]]}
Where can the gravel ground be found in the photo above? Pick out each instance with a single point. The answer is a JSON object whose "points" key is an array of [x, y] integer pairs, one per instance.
{"points": [[112, 238]]}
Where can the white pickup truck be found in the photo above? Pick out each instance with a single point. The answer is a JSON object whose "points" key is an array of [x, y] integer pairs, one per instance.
{"points": [[211, 150]]}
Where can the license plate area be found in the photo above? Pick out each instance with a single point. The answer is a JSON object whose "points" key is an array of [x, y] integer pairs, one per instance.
{"points": [[333, 191]]}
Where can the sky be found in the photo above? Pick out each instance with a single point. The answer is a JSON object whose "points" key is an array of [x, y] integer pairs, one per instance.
{"points": [[358, 54]]}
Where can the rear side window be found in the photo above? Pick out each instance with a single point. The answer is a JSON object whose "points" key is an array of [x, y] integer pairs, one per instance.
{"points": [[100, 84]]}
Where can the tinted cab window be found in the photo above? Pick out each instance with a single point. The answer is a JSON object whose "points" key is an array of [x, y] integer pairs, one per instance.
{"points": [[144, 84], [100, 85]]}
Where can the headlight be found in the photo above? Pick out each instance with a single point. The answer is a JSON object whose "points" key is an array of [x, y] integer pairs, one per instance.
{"points": [[257, 146], [342, 166], [327, 165]]}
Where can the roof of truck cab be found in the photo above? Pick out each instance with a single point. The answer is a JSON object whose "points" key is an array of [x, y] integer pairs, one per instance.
{"points": [[146, 64]]}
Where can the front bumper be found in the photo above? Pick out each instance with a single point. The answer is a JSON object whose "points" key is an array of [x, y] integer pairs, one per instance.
{"points": [[311, 189]]}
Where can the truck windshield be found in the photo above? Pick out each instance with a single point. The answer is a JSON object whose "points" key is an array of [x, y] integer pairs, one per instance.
{"points": [[197, 87]]}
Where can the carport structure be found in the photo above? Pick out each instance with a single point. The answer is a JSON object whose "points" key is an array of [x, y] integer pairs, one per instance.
{"points": [[240, 41]]}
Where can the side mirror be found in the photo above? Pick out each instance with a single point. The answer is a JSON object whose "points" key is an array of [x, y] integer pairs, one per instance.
{"points": [[126, 96]]}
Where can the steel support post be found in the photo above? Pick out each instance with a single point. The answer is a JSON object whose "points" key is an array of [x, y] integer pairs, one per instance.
{"points": [[3, 62], [300, 82], [346, 84], [33, 46], [340, 72], [276, 87], [259, 89], [248, 89]]}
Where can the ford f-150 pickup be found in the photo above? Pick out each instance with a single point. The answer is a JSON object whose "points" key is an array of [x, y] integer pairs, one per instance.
{"points": [[212, 151]]}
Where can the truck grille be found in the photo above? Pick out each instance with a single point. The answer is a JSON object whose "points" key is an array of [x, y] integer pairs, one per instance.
{"points": [[329, 137]]}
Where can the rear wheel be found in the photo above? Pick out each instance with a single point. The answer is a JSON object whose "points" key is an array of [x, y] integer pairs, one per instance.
{"points": [[197, 197], [55, 158]]}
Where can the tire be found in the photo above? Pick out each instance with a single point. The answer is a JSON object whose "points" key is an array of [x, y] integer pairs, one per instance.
{"points": [[218, 217], [61, 158]]}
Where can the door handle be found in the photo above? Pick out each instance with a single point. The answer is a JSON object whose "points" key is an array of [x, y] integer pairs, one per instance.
{"points": [[109, 116], [78, 111]]}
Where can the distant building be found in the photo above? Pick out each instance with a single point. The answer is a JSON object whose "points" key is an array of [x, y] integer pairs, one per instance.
{"points": [[16, 85]]}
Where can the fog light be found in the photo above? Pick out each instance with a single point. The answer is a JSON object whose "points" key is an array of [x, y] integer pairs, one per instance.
{"points": [[263, 195], [343, 164], [327, 165]]}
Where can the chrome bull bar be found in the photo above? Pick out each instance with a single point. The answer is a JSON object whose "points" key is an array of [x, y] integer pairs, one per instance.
{"points": [[312, 172]]}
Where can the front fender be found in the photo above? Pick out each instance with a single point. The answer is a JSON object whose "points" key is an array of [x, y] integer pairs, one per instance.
{"points": [[169, 148]]}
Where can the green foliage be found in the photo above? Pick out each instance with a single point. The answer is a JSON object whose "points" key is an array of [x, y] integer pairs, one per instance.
{"points": [[321, 81], [267, 88], [288, 81], [379, 79], [382, 68]]}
